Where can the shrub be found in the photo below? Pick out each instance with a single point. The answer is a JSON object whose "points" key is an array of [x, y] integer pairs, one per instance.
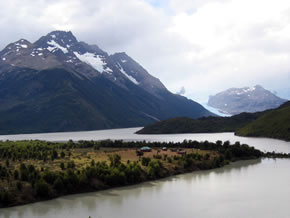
{"points": [[42, 189], [19, 186], [145, 161], [58, 184]]}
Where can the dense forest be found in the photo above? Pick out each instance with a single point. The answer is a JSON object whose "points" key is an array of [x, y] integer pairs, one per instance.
{"points": [[37, 170]]}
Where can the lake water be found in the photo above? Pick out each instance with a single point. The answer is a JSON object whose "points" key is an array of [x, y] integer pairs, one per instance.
{"points": [[264, 144], [252, 189]]}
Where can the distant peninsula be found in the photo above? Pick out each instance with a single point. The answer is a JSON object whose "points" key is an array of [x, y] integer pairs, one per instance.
{"points": [[270, 123]]}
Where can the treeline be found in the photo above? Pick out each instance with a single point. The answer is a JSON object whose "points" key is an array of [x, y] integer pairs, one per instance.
{"points": [[42, 150]]}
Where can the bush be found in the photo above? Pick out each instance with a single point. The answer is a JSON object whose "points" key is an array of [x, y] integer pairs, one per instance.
{"points": [[206, 157], [19, 186], [145, 161], [71, 164], [49, 177], [154, 169], [42, 189], [116, 177], [5, 198]]}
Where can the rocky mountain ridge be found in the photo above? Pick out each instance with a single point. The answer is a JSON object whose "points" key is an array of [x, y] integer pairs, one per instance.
{"points": [[61, 84]]}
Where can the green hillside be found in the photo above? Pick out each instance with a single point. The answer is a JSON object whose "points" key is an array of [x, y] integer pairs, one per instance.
{"points": [[273, 124], [202, 125]]}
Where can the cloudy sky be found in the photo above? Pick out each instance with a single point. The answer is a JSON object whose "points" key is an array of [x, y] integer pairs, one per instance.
{"points": [[205, 46]]}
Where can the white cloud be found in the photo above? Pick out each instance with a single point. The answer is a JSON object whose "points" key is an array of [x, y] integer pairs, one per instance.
{"points": [[204, 45]]}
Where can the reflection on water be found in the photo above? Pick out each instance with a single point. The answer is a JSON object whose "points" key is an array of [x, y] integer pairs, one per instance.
{"points": [[242, 189]]}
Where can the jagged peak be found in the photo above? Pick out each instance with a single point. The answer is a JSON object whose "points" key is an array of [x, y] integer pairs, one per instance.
{"points": [[58, 34], [23, 41], [57, 39]]}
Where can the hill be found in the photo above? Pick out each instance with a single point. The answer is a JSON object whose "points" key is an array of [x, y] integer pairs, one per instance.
{"points": [[273, 124], [201, 125]]}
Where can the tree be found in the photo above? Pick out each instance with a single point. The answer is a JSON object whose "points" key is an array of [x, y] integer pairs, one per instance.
{"points": [[54, 155], [62, 165], [16, 174], [7, 163], [62, 154], [115, 160], [145, 161], [58, 184]]}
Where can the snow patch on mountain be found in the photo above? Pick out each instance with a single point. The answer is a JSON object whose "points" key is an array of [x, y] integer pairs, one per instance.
{"points": [[108, 70], [21, 45], [131, 78], [152, 117], [244, 90], [96, 61], [55, 45]]}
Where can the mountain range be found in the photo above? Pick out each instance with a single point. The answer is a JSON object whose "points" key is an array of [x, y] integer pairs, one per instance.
{"points": [[248, 99], [61, 84]]}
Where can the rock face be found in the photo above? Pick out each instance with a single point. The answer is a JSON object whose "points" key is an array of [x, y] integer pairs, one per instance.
{"points": [[248, 99], [61, 84]]}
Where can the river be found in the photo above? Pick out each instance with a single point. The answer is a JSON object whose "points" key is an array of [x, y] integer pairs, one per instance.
{"points": [[253, 189]]}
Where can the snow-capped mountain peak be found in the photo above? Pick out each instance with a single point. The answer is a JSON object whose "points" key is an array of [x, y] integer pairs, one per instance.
{"points": [[247, 99], [62, 49], [57, 41]]}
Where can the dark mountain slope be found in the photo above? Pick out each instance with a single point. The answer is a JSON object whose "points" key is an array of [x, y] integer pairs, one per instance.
{"points": [[60, 84]]}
